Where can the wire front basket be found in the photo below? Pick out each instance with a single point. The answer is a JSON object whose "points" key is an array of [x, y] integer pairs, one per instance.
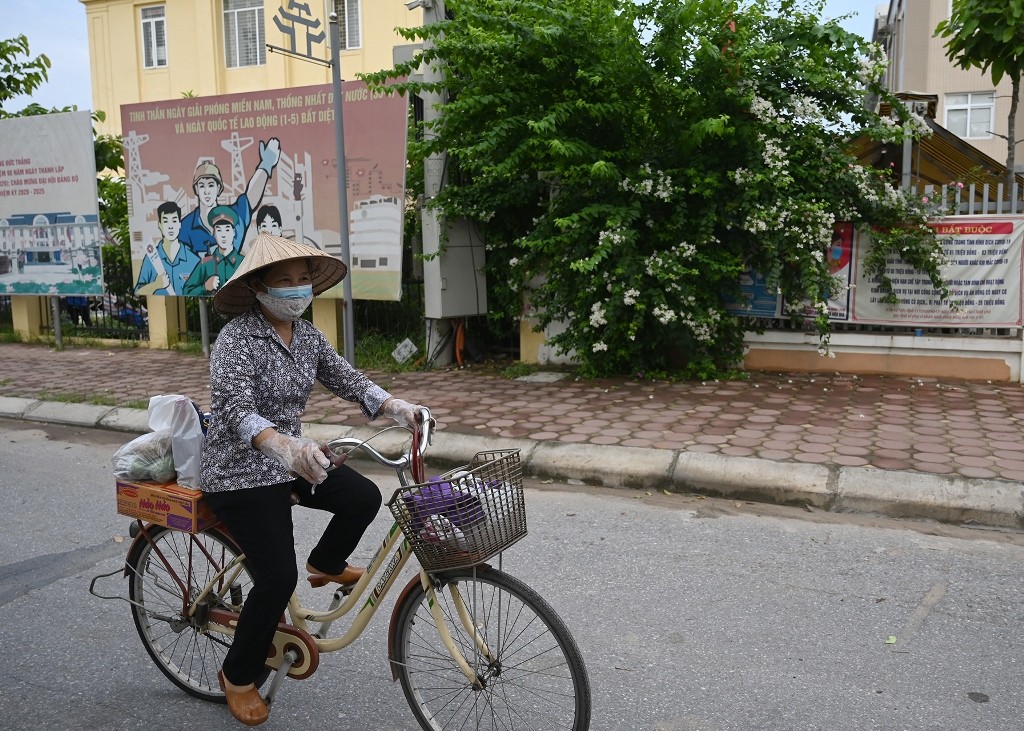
{"points": [[465, 516]]}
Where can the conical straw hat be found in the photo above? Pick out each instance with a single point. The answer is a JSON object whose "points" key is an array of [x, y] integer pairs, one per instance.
{"points": [[235, 297]]}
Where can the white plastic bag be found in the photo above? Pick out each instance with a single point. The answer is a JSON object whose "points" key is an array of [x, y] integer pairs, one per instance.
{"points": [[177, 414]]}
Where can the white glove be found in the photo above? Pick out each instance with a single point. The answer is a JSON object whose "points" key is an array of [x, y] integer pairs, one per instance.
{"points": [[401, 411], [270, 155], [302, 456]]}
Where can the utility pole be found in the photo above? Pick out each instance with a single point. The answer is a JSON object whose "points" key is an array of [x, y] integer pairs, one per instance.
{"points": [[339, 142]]}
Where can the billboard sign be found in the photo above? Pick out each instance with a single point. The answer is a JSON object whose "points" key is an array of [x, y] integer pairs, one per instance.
{"points": [[983, 270], [50, 236], [207, 174]]}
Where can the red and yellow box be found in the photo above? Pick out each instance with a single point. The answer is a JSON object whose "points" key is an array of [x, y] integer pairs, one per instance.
{"points": [[167, 504]]}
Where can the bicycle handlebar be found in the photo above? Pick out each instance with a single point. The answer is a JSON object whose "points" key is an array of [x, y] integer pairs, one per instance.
{"points": [[418, 447]]}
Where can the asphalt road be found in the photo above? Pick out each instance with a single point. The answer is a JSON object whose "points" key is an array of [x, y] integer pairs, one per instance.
{"points": [[691, 613]]}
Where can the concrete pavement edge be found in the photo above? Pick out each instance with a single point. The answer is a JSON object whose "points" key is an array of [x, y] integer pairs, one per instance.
{"points": [[834, 488]]}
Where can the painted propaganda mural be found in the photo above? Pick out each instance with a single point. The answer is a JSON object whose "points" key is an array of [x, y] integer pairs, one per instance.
{"points": [[207, 174]]}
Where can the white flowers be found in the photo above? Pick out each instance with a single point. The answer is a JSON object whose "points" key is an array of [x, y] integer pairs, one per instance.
{"points": [[597, 315], [654, 182], [763, 110], [599, 346], [629, 298], [872, 66], [664, 314], [742, 176], [612, 237], [774, 155]]}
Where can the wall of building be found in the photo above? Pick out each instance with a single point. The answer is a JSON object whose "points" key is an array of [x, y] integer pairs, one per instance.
{"points": [[195, 51], [918, 63]]}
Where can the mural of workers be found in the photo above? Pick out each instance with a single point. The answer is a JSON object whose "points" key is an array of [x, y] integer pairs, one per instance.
{"points": [[270, 156], [208, 184], [168, 263], [222, 260]]}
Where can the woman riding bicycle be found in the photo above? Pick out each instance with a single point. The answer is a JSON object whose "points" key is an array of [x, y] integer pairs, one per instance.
{"points": [[262, 368]]}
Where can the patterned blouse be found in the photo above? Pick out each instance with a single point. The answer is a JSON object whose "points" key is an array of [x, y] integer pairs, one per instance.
{"points": [[256, 382]]}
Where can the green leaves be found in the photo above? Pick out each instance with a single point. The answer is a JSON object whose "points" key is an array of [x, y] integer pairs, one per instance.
{"points": [[18, 76], [625, 162]]}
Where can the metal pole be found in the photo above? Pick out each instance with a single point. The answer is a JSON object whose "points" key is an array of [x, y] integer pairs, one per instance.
{"points": [[204, 326], [339, 142], [58, 337]]}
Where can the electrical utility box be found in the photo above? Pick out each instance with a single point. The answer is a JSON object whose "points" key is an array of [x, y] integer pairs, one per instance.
{"points": [[453, 280]]}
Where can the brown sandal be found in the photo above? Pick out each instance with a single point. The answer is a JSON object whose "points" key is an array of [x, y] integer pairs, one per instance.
{"points": [[350, 575], [247, 706]]}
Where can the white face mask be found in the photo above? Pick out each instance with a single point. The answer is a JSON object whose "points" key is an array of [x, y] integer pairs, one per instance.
{"points": [[282, 308]]}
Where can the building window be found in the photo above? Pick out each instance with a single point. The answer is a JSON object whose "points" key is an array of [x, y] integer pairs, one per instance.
{"points": [[154, 37], [970, 115], [244, 43], [348, 23]]}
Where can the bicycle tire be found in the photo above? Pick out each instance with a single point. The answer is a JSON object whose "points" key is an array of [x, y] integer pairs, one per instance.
{"points": [[537, 680], [188, 655]]}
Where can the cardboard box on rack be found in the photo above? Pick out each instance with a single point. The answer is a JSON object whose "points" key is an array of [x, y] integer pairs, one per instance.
{"points": [[167, 504]]}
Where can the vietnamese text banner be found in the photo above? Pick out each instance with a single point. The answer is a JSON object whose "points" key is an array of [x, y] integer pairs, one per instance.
{"points": [[983, 270]]}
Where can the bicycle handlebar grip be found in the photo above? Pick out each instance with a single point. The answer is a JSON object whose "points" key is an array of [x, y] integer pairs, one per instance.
{"points": [[426, 425]]}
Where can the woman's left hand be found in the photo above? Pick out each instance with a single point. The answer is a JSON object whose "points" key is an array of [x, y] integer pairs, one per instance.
{"points": [[401, 411]]}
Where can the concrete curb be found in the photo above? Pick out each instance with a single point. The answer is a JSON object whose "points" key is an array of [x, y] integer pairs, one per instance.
{"points": [[946, 499], [995, 503]]}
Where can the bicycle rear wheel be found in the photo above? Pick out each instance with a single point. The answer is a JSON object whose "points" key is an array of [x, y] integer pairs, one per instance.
{"points": [[534, 679], [181, 646]]}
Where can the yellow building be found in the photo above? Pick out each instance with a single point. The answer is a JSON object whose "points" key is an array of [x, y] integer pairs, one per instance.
{"points": [[146, 51]]}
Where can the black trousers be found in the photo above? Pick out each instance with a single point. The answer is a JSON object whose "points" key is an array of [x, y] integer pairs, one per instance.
{"points": [[260, 519]]}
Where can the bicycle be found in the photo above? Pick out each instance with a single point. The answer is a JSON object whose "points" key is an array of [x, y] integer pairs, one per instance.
{"points": [[472, 646]]}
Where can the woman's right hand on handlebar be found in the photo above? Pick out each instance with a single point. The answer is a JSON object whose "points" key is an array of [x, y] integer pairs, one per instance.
{"points": [[302, 456]]}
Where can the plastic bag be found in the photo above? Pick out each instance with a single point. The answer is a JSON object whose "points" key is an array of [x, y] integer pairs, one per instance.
{"points": [[146, 458], [458, 505], [180, 416]]}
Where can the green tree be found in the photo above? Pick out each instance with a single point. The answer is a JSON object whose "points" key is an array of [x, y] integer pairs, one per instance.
{"points": [[637, 157], [20, 74], [989, 35]]}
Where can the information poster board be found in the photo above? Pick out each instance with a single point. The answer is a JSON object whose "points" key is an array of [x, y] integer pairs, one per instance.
{"points": [[50, 236], [983, 270]]}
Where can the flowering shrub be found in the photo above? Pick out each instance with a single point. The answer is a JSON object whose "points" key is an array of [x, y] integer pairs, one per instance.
{"points": [[630, 160]]}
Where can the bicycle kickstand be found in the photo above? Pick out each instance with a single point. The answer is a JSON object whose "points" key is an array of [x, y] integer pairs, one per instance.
{"points": [[290, 658]]}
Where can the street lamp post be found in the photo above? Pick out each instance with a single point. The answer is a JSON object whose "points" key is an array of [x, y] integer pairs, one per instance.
{"points": [[339, 141]]}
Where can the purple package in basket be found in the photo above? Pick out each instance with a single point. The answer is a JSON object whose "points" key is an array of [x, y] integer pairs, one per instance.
{"points": [[460, 506]]}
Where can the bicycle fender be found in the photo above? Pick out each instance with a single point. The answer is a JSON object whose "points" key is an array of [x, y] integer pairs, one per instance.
{"points": [[413, 584], [393, 624], [140, 539]]}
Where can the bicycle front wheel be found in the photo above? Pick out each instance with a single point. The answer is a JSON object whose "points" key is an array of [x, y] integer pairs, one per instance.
{"points": [[165, 575], [530, 670]]}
